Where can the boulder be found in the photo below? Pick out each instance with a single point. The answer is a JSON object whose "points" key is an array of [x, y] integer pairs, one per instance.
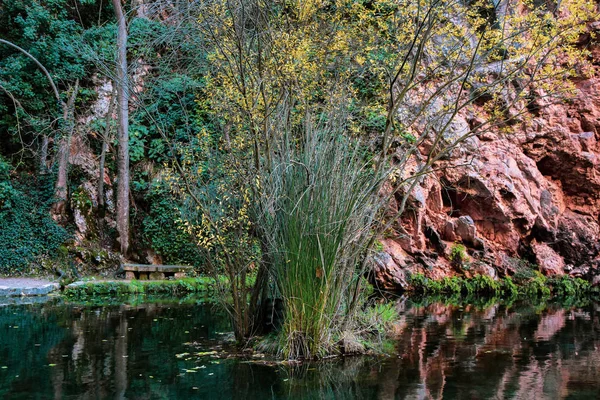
{"points": [[388, 275], [465, 229], [548, 260]]}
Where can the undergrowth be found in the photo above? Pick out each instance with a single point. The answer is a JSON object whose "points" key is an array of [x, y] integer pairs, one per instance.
{"points": [[27, 233]]}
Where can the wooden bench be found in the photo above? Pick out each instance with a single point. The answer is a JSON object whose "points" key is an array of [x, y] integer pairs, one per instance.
{"points": [[154, 272]]}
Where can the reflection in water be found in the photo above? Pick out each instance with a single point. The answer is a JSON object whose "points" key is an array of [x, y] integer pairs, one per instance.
{"points": [[129, 352]]}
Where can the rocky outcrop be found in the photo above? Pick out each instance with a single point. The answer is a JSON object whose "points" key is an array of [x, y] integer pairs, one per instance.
{"points": [[533, 194]]}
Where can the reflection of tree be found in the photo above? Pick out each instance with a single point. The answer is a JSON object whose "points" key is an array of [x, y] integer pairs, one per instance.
{"points": [[121, 358], [27, 335], [100, 352]]}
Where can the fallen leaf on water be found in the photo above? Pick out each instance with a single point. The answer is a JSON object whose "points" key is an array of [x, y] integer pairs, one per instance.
{"points": [[206, 353], [52, 365]]}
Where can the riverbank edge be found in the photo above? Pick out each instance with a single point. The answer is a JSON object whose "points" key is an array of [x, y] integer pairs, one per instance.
{"points": [[114, 288], [535, 285], [16, 287]]}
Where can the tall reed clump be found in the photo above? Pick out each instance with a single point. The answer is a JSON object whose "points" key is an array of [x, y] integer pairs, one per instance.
{"points": [[319, 204]]}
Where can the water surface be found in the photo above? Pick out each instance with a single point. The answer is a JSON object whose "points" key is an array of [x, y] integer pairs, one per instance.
{"points": [[138, 351]]}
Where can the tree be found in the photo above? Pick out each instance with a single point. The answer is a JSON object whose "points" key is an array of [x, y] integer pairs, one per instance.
{"points": [[401, 72], [67, 124], [122, 83]]}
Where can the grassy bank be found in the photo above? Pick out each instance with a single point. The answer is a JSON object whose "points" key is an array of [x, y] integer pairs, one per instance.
{"points": [[120, 288]]}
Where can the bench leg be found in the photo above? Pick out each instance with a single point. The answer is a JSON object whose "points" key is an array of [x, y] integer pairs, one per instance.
{"points": [[157, 276], [129, 275]]}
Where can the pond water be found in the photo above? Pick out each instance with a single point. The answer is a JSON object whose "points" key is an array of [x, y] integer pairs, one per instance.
{"points": [[56, 350]]}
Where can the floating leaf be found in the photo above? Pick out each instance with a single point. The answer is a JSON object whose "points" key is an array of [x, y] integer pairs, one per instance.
{"points": [[206, 353]]}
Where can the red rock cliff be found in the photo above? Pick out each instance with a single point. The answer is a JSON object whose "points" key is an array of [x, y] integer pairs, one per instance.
{"points": [[533, 194]]}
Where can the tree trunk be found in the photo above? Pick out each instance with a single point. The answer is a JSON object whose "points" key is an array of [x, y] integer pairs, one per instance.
{"points": [[64, 148], [123, 131]]}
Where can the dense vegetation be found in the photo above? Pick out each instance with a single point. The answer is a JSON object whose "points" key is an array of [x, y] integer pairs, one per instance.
{"points": [[253, 139]]}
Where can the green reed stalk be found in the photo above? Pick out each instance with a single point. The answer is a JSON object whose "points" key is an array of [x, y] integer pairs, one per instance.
{"points": [[320, 204]]}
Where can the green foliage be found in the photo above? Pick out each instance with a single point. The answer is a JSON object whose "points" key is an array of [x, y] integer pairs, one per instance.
{"points": [[28, 233], [81, 199], [160, 231], [566, 286], [481, 285], [510, 288], [458, 254], [164, 119], [536, 286], [51, 31]]}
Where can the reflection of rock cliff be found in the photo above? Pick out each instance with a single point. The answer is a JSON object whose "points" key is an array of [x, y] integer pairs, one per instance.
{"points": [[500, 353], [533, 194]]}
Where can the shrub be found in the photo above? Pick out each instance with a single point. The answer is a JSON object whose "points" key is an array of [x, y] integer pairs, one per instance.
{"points": [[161, 232], [566, 286]]}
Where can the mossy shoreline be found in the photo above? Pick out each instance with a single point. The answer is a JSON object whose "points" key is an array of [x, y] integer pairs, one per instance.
{"points": [[198, 285], [534, 286]]}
